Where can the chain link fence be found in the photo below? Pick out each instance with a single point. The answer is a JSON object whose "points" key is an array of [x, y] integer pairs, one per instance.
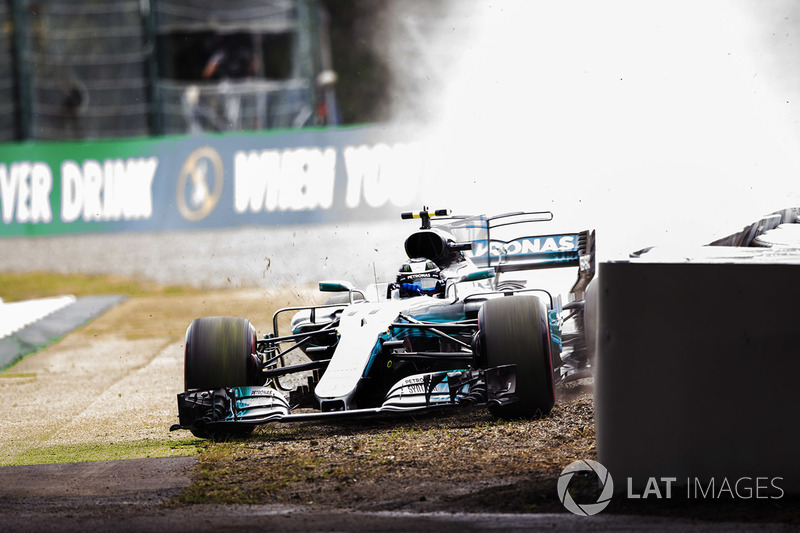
{"points": [[199, 15], [8, 106], [88, 69], [233, 105], [199, 94], [86, 63]]}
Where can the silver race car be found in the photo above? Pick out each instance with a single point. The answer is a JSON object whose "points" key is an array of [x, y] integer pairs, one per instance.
{"points": [[451, 329]]}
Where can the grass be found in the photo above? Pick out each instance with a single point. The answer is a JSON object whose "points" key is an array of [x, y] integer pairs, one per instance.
{"points": [[24, 286], [153, 317], [391, 462], [229, 473], [467, 463], [80, 453]]}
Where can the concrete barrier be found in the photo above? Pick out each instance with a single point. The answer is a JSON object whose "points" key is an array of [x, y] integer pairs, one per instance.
{"points": [[698, 359]]}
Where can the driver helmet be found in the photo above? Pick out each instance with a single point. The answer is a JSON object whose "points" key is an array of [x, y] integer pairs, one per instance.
{"points": [[418, 276]]}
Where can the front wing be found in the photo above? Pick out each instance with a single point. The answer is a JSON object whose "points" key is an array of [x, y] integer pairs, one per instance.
{"points": [[249, 406]]}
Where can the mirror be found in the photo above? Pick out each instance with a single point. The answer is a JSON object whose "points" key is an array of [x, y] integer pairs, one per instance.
{"points": [[335, 286]]}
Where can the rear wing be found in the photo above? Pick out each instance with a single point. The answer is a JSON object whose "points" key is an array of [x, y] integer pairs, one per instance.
{"points": [[490, 249], [531, 252]]}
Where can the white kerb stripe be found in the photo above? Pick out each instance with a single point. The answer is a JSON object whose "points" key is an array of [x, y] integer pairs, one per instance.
{"points": [[16, 315]]}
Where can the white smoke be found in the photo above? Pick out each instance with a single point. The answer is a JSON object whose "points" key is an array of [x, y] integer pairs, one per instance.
{"points": [[654, 122]]}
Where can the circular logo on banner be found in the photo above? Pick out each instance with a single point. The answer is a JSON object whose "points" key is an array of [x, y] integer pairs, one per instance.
{"points": [[200, 184], [604, 478]]}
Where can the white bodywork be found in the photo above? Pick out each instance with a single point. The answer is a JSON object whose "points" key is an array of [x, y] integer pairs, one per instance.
{"points": [[359, 328]]}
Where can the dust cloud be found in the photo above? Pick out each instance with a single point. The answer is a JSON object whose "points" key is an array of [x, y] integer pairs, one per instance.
{"points": [[653, 122]]}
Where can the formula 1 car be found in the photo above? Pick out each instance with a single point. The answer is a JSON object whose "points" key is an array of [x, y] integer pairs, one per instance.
{"points": [[448, 331]]}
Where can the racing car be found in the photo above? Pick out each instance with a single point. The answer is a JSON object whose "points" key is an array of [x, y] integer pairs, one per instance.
{"points": [[451, 329]]}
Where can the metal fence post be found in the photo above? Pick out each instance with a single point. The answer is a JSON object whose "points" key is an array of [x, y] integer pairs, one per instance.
{"points": [[309, 48], [22, 69], [151, 35]]}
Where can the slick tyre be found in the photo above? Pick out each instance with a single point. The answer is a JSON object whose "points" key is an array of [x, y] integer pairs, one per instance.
{"points": [[515, 330], [220, 352]]}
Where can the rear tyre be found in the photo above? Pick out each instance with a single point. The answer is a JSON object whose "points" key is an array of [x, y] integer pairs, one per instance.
{"points": [[220, 352], [515, 330]]}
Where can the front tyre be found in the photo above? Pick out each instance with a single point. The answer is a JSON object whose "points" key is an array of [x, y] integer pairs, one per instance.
{"points": [[515, 330], [220, 352]]}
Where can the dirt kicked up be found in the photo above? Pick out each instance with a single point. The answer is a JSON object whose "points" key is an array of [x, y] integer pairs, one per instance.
{"points": [[459, 460]]}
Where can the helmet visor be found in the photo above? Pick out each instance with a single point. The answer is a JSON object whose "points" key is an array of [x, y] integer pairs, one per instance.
{"points": [[425, 284]]}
